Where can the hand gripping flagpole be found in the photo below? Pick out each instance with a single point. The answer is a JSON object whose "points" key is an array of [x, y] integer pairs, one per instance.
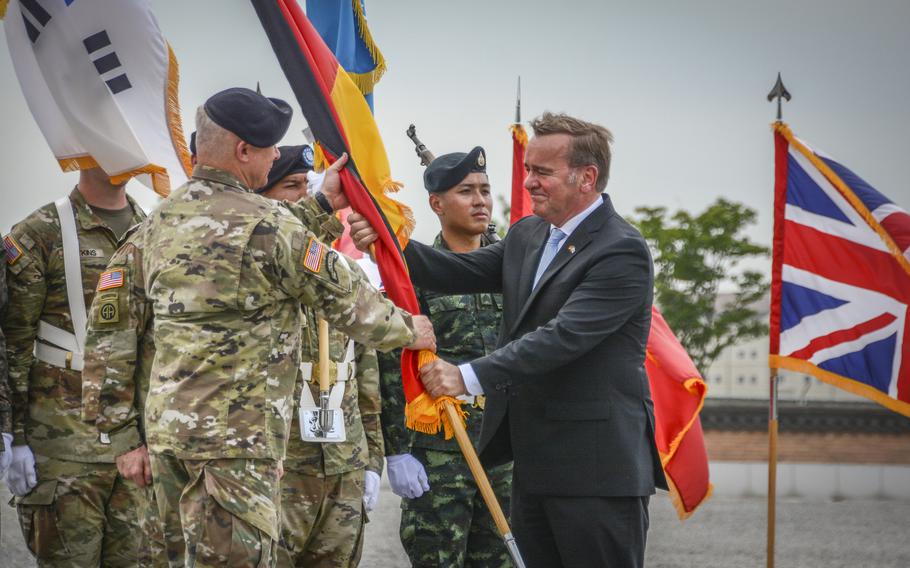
{"points": [[777, 92]]}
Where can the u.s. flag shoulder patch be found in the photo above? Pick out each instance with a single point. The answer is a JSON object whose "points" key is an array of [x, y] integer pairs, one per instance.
{"points": [[110, 279], [12, 248], [315, 252]]}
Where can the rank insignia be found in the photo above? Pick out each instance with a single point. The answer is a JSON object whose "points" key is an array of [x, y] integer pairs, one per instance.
{"points": [[481, 160], [13, 250], [110, 279], [315, 252]]}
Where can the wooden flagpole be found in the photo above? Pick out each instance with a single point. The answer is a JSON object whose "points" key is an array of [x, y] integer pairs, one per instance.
{"points": [[780, 93], [772, 466]]}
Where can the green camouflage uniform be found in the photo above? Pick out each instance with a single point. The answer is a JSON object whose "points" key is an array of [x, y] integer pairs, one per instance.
{"points": [[225, 271], [322, 491], [449, 525], [119, 350], [63, 517], [6, 416]]}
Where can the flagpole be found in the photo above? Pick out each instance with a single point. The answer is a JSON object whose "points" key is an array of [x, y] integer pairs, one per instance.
{"points": [[779, 92], [772, 465], [483, 483]]}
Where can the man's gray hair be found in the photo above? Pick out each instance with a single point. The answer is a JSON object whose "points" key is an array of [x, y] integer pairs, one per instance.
{"points": [[213, 143]]}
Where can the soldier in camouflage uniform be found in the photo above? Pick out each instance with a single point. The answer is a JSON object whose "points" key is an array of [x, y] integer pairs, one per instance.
{"points": [[118, 357], [225, 271], [323, 489], [6, 417], [74, 507], [444, 521]]}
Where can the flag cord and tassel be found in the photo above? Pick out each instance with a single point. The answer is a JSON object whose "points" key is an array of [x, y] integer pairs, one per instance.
{"points": [[772, 466]]}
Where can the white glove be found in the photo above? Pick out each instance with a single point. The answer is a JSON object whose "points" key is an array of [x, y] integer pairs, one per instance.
{"points": [[6, 456], [21, 476], [314, 181], [370, 490], [407, 476]]}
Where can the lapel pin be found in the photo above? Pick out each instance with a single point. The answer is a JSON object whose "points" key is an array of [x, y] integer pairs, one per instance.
{"points": [[571, 249]]}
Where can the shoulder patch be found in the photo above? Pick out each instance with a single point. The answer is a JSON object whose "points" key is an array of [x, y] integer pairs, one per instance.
{"points": [[109, 308], [110, 279], [12, 248], [315, 252]]}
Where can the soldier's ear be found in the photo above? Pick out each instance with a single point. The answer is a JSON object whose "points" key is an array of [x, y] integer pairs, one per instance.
{"points": [[242, 151], [435, 203]]}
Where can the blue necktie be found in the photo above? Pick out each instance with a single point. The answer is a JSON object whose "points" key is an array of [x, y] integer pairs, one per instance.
{"points": [[549, 252]]}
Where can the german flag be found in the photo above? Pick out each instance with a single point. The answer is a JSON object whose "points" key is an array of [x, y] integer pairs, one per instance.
{"points": [[341, 121]]}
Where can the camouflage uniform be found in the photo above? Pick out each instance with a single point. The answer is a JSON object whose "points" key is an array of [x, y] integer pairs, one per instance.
{"points": [[81, 512], [119, 350], [322, 491], [6, 417], [449, 525], [225, 271]]}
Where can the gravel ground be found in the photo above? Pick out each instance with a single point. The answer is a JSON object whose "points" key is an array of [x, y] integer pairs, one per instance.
{"points": [[725, 532]]}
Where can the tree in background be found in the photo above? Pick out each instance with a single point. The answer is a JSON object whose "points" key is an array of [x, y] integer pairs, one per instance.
{"points": [[693, 255]]}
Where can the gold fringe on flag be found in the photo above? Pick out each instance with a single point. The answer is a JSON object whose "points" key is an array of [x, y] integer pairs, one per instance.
{"points": [[3, 5], [678, 504], [366, 81], [426, 414], [520, 134], [161, 183], [389, 206], [77, 163], [172, 112]]}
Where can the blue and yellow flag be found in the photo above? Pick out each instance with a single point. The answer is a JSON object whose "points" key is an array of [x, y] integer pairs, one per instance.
{"points": [[343, 27]]}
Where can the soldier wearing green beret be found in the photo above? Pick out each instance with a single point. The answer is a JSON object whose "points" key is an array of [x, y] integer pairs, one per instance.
{"points": [[444, 521]]}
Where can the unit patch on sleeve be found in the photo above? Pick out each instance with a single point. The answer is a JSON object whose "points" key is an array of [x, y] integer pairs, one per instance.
{"points": [[109, 309], [110, 279], [12, 248], [315, 252]]}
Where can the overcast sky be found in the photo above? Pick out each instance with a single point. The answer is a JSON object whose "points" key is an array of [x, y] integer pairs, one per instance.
{"points": [[682, 85]]}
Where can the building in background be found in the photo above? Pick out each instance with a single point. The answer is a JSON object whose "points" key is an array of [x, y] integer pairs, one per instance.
{"points": [[832, 444]]}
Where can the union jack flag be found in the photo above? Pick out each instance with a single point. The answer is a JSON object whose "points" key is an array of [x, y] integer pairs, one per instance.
{"points": [[840, 285]]}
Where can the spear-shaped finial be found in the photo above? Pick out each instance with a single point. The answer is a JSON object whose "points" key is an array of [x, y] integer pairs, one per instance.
{"points": [[518, 103], [258, 90], [779, 92]]}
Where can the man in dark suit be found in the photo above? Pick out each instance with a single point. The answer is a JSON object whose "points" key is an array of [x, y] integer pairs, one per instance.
{"points": [[567, 394]]}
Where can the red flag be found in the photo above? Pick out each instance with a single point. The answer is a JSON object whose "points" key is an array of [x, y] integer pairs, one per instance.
{"points": [[679, 392], [341, 121], [521, 200]]}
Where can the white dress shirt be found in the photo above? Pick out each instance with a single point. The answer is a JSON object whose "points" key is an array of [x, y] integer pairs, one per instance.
{"points": [[471, 383]]}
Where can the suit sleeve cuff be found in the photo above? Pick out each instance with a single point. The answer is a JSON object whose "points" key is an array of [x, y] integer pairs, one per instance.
{"points": [[471, 382]]}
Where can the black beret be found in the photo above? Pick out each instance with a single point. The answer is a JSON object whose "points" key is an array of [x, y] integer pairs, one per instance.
{"points": [[447, 171], [254, 118], [193, 143], [293, 159]]}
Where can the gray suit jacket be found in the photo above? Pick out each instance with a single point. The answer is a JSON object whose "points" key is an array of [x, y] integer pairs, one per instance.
{"points": [[567, 394]]}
